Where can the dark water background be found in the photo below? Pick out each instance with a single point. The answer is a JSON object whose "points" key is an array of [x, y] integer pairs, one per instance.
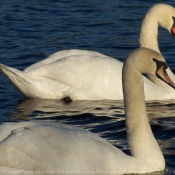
{"points": [[32, 30]]}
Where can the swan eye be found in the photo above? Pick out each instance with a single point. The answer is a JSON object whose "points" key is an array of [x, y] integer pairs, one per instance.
{"points": [[161, 64], [173, 21], [154, 59]]}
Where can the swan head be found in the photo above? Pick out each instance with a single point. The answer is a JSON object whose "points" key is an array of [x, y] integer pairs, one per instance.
{"points": [[148, 61], [159, 15], [165, 15]]}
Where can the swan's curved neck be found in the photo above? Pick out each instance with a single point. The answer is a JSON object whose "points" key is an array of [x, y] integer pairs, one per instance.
{"points": [[148, 37], [141, 140], [149, 32]]}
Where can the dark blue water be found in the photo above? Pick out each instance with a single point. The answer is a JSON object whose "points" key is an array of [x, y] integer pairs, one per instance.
{"points": [[32, 30]]}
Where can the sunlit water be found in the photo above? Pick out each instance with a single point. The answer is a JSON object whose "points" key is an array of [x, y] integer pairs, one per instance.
{"points": [[31, 30]]}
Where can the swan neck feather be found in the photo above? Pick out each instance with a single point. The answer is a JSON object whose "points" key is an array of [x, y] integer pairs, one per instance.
{"points": [[142, 143], [149, 32]]}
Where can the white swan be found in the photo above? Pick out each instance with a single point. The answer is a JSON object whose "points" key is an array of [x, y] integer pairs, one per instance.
{"points": [[87, 75], [63, 149]]}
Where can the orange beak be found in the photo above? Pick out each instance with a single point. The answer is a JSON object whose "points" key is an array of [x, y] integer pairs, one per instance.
{"points": [[162, 74], [173, 30]]}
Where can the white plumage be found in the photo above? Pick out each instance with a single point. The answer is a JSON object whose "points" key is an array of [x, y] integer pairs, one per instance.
{"points": [[53, 147]]}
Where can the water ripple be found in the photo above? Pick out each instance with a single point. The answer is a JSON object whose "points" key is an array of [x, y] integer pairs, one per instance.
{"points": [[32, 30]]}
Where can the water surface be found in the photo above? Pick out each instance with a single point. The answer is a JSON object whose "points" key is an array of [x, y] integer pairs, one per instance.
{"points": [[32, 30]]}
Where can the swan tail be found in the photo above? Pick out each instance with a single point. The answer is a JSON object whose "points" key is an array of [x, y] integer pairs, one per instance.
{"points": [[20, 80], [34, 87]]}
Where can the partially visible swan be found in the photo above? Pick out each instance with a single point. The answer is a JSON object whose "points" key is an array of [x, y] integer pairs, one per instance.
{"points": [[63, 149], [87, 75]]}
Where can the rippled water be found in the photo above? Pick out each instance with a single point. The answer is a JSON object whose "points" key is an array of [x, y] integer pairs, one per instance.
{"points": [[32, 30]]}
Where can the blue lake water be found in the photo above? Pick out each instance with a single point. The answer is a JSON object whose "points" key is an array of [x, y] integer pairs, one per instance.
{"points": [[32, 30]]}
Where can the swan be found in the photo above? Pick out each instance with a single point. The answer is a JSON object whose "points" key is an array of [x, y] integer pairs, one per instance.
{"points": [[44, 146], [87, 75]]}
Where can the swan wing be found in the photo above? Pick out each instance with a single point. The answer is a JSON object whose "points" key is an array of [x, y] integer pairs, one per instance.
{"points": [[62, 54], [87, 77], [48, 146]]}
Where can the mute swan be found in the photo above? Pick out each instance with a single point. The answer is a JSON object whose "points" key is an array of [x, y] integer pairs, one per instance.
{"points": [[52, 147], [87, 75]]}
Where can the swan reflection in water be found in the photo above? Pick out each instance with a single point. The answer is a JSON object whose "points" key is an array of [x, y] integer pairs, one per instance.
{"points": [[45, 109]]}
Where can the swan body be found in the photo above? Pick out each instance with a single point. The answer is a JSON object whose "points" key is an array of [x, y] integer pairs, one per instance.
{"points": [[47, 146], [88, 75]]}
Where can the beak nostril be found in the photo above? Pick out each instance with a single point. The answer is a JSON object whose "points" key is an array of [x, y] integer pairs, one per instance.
{"points": [[165, 71]]}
